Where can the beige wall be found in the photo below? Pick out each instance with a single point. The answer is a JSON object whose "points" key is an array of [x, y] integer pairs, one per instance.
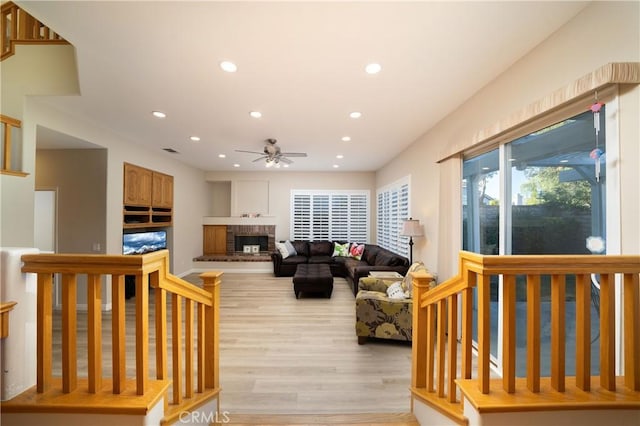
{"points": [[80, 178], [603, 32], [281, 183], [190, 188]]}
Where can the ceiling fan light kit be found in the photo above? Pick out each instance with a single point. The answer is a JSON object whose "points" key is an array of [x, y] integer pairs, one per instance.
{"points": [[273, 155]]}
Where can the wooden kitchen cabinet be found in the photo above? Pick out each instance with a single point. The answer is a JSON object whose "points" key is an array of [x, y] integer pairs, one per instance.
{"points": [[137, 185], [147, 198], [214, 239], [162, 190]]}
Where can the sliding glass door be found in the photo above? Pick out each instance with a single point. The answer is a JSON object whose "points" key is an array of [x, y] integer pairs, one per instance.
{"points": [[539, 194]]}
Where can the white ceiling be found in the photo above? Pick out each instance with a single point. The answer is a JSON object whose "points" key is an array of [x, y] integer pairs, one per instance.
{"points": [[300, 63]]}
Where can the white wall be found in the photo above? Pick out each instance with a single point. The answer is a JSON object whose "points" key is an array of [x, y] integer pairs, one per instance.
{"points": [[190, 189], [603, 32], [281, 183]]}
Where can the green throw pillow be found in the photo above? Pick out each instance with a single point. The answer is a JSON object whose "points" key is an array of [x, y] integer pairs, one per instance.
{"points": [[340, 249]]}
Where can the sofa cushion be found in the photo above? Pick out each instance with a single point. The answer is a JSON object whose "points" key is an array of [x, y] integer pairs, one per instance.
{"points": [[294, 260], [320, 248], [385, 258], [302, 247], [321, 259], [369, 254]]}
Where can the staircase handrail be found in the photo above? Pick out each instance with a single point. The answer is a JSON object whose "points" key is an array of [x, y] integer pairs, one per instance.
{"points": [[436, 316], [151, 271], [19, 27]]}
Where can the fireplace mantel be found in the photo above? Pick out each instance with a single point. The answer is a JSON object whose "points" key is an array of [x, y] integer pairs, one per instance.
{"points": [[238, 220]]}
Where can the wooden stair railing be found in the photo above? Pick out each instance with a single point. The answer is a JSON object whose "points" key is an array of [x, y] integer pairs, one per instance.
{"points": [[201, 322], [18, 27], [7, 124], [439, 379]]}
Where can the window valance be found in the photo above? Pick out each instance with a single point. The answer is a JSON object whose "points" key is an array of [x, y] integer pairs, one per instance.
{"points": [[555, 104]]}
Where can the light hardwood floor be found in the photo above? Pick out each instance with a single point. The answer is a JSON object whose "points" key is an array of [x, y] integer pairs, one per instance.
{"points": [[282, 355]]}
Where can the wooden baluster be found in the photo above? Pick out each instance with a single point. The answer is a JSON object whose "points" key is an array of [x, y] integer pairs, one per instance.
{"points": [[440, 346], [431, 346], [558, 296], [9, 124], [211, 283], [452, 325], [201, 326], [44, 331], [142, 332], [419, 335], [583, 332], [69, 333], [607, 333], [118, 333], [188, 355], [176, 337], [533, 333], [631, 331], [467, 327], [94, 332], [509, 333], [161, 329], [484, 332]]}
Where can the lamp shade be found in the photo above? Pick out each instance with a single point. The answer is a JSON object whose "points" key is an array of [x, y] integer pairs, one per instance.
{"points": [[411, 228]]}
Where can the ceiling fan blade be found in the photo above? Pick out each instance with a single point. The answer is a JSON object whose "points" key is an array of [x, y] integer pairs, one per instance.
{"points": [[285, 160], [260, 158], [294, 154], [250, 152]]}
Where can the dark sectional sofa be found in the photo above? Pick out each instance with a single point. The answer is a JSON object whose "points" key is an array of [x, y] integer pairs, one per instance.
{"points": [[374, 258]]}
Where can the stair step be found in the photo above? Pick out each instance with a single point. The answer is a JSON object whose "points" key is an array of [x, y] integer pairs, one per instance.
{"points": [[371, 419]]}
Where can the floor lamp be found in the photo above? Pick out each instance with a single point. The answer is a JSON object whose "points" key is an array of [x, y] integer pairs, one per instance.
{"points": [[411, 228]]}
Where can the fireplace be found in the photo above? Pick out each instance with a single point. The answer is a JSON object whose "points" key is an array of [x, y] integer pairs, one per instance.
{"points": [[239, 236], [260, 241]]}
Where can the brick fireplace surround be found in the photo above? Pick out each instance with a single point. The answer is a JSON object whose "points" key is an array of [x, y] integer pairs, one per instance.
{"points": [[250, 230]]}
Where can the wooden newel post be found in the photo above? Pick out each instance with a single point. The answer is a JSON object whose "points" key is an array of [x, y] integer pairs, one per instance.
{"points": [[421, 284], [211, 283]]}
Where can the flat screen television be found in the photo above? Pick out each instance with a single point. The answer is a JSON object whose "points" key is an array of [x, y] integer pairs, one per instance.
{"points": [[144, 242]]}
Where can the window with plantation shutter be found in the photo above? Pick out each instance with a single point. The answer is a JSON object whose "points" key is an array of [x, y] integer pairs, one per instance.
{"points": [[333, 215], [393, 209]]}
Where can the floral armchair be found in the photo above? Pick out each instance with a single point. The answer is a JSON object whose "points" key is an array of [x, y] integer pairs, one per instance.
{"points": [[377, 315], [381, 316]]}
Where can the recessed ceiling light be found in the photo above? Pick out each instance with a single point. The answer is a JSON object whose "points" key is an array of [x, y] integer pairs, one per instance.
{"points": [[346, 139], [373, 68], [339, 156], [236, 165], [255, 114], [355, 114], [222, 156], [159, 114], [228, 66], [335, 166], [195, 138]]}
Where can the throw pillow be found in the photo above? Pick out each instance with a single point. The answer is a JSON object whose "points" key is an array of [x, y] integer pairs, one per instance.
{"points": [[394, 291], [340, 250], [283, 250], [292, 251], [356, 251], [407, 285]]}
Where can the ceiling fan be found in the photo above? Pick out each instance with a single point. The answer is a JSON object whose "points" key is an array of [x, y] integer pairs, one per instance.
{"points": [[272, 154]]}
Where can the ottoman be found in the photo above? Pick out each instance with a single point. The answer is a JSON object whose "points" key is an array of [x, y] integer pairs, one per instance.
{"points": [[313, 278]]}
